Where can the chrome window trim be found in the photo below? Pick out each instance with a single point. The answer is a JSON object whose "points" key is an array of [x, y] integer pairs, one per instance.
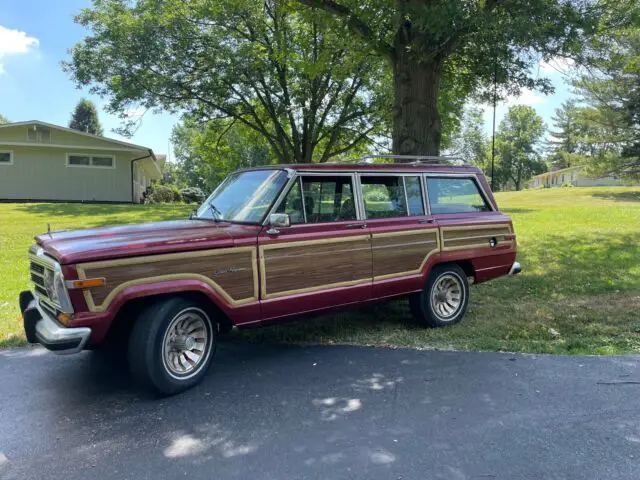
{"points": [[406, 197], [304, 207], [425, 195]]}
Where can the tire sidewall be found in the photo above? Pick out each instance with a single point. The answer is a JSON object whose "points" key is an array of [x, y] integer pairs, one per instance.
{"points": [[154, 326]]}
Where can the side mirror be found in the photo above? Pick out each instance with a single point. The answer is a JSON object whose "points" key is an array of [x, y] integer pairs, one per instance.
{"points": [[278, 220]]}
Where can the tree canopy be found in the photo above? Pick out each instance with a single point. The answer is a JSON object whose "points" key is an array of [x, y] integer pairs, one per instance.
{"points": [[518, 143], [284, 74], [84, 118], [610, 121], [466, 43]]}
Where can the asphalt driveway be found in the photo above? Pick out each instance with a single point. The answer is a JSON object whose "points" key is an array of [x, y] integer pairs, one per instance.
{"points": [[326, 413]]}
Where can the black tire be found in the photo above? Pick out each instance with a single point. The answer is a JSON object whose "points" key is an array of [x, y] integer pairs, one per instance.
{"points": [[148, 350], [429, 314]]}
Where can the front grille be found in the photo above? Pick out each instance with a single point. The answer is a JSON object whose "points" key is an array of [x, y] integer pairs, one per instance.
{"points": [[36, 268], [37, 277]]}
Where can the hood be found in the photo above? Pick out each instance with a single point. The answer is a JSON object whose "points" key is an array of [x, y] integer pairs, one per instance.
{"points": [[138, 239]]}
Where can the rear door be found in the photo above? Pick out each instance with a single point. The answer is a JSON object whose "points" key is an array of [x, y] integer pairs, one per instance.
{"points": [[324, 258], [404, 236]]}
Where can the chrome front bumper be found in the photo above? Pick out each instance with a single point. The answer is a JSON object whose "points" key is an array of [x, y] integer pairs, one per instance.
{"points": [[40, 328], [515, 269]]}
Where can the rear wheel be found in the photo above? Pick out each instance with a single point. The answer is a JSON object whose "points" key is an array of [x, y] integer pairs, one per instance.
{"points": [[444, 298], [171, 345]]}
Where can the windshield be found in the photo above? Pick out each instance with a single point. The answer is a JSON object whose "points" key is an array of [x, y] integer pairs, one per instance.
{"points": [[243, 196]]}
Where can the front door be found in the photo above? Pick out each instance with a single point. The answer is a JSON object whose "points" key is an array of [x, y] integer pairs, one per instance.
{"points": [[324, 258], [405, 238]]}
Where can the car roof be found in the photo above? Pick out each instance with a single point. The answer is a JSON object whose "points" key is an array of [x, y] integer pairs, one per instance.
{"points": [[374, 167]]}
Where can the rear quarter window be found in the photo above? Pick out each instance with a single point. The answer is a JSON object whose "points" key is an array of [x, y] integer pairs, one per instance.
{"points": [[455, 195]]}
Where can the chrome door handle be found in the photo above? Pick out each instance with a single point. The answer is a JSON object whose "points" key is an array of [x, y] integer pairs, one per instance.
{"points": [[426, 220], [357, 225]]}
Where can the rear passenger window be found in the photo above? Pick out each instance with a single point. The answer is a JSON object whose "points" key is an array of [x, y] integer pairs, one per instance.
{"points": [[455, 195], [383, 197]]}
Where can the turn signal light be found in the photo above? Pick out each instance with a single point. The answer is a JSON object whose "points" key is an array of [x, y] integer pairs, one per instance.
{"points": [[86, 283], [63, 318]]}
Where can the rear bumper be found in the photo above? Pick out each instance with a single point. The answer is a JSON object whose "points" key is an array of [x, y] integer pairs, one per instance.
{"points": [[40, 328], [515, 269]]}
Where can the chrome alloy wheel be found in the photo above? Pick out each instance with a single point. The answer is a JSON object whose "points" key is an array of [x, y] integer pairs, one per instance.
{"points": [[187, 343], [447, 296]]}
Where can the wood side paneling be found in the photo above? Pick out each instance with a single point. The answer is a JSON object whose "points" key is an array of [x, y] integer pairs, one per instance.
{"points": [[297, 267], [231, 272], [476, 236], [402, 253]]}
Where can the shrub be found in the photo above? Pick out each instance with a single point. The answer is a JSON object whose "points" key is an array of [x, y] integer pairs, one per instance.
{"points": [[192, 195], [162, 194]]}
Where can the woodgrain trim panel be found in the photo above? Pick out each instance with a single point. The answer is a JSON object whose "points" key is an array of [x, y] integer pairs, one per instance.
{"points": [[298, 253], [474, 236], [100, 303], [389, 262]]}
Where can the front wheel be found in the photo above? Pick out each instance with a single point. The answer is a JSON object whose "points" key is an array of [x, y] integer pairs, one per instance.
{"points": [[444, 298], [171, 345]]}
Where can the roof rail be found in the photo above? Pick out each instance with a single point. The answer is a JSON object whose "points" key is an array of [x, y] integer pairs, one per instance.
{"points": [[416, 159]]}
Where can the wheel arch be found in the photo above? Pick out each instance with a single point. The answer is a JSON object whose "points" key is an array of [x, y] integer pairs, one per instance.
{"points": [[130, 307]]}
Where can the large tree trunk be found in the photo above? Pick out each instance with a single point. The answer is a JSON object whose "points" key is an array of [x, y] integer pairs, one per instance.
{"points": [[417, 128]]}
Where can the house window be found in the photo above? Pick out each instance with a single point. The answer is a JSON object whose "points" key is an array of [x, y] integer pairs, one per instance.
{"points": [[6, 157], [38, 134], [86, 160]]}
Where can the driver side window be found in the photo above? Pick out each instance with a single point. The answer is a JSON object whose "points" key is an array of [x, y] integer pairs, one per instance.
{"points": [[320, 199]]}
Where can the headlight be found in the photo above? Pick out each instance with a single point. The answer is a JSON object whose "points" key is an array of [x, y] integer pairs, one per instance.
{"points": [[56, 289]]}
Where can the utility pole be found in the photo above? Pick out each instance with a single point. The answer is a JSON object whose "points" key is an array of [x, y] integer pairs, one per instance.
{"points": [[493, 140]]}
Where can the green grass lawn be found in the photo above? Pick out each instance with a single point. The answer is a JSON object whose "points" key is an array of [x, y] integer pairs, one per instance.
{"points": [[579, 291]]}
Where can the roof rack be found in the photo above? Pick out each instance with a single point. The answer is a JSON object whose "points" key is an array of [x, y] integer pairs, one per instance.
{"points": [[416, 159]]}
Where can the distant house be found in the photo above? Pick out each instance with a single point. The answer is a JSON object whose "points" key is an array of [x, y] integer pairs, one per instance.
{"points": [[572, 176], [42, 161]]}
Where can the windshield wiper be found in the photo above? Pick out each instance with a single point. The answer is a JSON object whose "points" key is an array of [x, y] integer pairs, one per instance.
{"points": [[217, 214]]}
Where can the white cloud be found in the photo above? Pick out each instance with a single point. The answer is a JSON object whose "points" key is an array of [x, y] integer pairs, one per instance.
{"points": [[526, 97], [556, 64], [15, 42]]}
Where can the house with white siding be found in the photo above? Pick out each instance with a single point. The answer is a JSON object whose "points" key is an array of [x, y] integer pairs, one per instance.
{"points": [[572, 176], [40, 161]]}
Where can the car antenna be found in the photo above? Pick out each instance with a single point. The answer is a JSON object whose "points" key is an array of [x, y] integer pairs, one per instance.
{"points": [[49, 229]]}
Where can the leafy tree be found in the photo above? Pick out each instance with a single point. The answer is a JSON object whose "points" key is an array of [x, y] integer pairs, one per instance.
{"points": [[471, 143], [517, 146], [205, 157], [566, 136], [85, 118], [307, 91], [3, 119], [611, 122], [466, 43]]}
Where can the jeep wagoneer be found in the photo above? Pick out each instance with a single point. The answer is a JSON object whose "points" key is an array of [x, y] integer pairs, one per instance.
{"points": [[268, 245]]}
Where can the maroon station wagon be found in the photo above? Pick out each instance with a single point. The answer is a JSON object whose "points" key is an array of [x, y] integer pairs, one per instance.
{"points": [[268, 245]]}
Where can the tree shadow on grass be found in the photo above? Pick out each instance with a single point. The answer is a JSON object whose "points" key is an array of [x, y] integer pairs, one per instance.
{"points": [[98, 215], [618, 196], [517, 210]]}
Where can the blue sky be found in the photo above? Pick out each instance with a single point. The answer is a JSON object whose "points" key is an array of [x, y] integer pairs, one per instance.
{"points": [[35, 36]]}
